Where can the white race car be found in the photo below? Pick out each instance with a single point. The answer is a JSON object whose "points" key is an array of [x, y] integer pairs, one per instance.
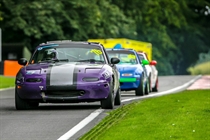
{"points": [[152, 72]]}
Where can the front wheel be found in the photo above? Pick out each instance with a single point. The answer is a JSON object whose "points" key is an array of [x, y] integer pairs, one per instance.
{"points": [[147, 89], [140, 90], [117, 100], [150, 83], [21, 104], [155, 89], [108, 103]]}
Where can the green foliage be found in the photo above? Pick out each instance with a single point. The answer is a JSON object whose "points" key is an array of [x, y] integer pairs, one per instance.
{"points": [[178, 30], [203, 57], [1, 18], [201, 68]]}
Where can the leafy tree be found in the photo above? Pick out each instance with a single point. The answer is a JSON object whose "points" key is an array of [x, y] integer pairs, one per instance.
{"points": [[152, 19], [28, 22], [1, 18], [192, 39], [178, 30]]}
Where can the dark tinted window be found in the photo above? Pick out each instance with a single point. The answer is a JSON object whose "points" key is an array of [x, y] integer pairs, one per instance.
{"points": [[73, 53]]}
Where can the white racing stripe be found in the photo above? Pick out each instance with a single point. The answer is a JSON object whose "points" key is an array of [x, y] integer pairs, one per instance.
{"points": [[94, 114], [62, 75]]}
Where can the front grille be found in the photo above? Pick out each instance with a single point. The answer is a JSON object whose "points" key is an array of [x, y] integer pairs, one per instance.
{"points": [[72, 93]]}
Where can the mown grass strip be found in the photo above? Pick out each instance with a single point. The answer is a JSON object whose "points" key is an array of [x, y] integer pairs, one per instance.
{"points": [[6, 82], [184, 115], [113, 118]]}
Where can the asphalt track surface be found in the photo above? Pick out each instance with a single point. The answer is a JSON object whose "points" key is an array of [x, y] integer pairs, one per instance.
{"points": [[68, 121]]}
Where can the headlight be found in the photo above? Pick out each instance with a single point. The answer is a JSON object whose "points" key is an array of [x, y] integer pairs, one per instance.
{"points": [[34, 80], [29, 72], [90, 79], [127, 74]]}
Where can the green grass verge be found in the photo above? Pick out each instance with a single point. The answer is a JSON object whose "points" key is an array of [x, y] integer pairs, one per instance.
{"points": [[6, 82], [184, 116], [203, 68]]}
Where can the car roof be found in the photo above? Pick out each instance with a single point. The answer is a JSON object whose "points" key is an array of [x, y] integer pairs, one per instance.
{"points": [[59, 42], [131, 50], [143, 53]]}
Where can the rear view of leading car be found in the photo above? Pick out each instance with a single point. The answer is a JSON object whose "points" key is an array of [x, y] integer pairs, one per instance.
{"points": [[67, 72]]}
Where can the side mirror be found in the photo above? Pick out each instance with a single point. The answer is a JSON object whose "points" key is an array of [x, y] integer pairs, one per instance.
{"points": [[153, 62], [22, 61], [145, 62], [115, 60]]}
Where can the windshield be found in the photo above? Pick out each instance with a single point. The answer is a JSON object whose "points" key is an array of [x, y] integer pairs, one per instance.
{"points": [[126, 57], [74, 53], [141, 56]]}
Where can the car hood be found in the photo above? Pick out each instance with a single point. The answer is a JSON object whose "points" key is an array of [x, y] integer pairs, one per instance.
{"points": [[62, 74], [63, 68]]}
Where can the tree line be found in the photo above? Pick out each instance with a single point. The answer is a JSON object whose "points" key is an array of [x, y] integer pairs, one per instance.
{"points": [[178, 30]]}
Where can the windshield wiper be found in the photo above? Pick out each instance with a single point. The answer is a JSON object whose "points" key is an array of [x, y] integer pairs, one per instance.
{"points": [[59, 60], [54, 60], [91, 60]]}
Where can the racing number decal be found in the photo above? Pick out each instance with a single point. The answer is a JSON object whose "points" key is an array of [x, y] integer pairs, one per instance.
{"points": [[97, 52], [131, 56]]}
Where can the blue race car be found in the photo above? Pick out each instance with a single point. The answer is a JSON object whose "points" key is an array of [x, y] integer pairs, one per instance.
{"points": [[132, 71]]}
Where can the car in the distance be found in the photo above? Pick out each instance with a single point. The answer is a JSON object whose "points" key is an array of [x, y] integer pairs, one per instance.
{"points": [[152, 71], [67, 72], [132, 71]]}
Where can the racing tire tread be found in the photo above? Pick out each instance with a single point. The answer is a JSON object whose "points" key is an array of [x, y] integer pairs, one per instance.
{"points": [[150, 84], [117, 100], [155, 89], [140, 90], [147, 90], [21, 104], [108, 103]]}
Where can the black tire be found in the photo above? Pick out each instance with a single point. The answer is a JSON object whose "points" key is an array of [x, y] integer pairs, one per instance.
{"points": [[108, 103], [117, 100], [140, 90], [147, 89], [155, 89], [150, 85], [21, 104]]}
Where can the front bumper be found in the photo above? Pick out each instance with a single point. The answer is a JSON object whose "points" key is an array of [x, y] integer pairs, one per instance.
{"points": [[87, 91], [129, 83]]}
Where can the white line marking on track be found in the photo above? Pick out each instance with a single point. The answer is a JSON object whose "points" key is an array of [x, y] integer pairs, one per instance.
{"points": [[80, 125], [94, 114], [7, 89]]}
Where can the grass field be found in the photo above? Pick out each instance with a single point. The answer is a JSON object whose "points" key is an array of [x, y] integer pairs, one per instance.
{"points": [[6, 82], [203, 68], [181, 116]]}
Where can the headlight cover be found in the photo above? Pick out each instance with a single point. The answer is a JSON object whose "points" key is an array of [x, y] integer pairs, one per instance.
{"points": [[30, 72]]}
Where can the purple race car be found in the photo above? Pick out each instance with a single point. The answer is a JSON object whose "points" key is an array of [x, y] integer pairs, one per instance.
{"points": [[67, 72]]}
